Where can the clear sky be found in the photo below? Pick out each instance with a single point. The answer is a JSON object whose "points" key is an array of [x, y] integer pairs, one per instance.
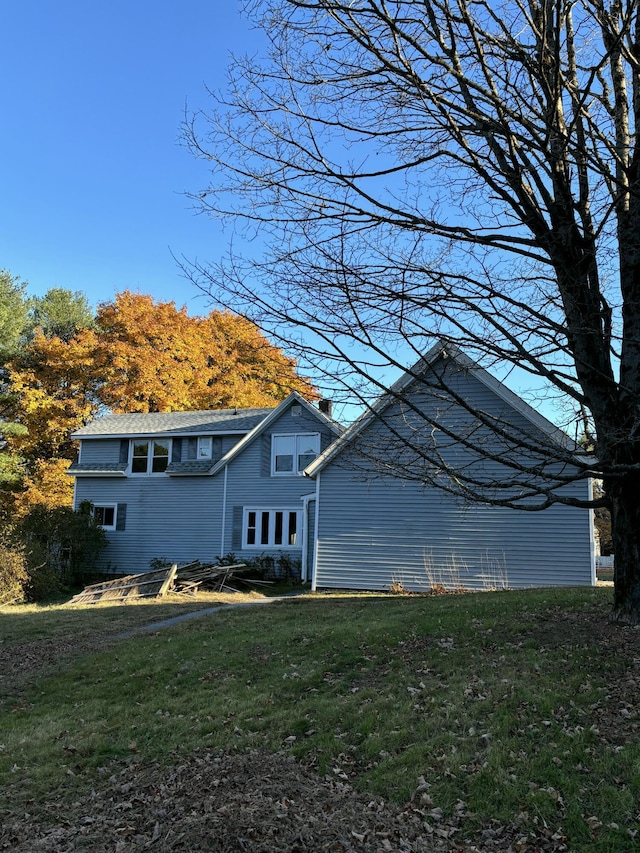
{"points": [[93, 178], [92, 175]]}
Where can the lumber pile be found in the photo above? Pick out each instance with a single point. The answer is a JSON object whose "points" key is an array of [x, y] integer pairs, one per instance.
{"points": [[187, 579], [210, 576], [154, 584]]}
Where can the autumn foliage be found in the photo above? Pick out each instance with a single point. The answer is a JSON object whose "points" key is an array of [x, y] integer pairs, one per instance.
{"points": [[138, 356], [46, 484], [154, 357], [55, 385]]}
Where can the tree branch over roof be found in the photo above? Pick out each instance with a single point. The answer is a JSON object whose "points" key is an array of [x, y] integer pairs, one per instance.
{"points": [[445, 170]]}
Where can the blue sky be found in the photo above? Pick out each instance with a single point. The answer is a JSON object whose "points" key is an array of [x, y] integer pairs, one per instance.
{"points": [[93, 178], [92, 175]]}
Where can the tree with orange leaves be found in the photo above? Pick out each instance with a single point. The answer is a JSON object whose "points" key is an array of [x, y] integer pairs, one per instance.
{"points": [[154, 357], [138, 356], [54, 384], [45, 484], [144, 356]]}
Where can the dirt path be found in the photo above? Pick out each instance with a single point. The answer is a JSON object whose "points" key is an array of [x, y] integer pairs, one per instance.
{"points": [[208, 611]]}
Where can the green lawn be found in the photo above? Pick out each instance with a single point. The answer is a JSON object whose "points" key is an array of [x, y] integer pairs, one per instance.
{"points": [[523, 705]]}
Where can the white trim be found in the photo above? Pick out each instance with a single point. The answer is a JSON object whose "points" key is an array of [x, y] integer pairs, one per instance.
{"points": [[305, 534], [170, 433], [150, 456], [272, 510], [314, 567], [113, 506], [592, 537], [303, 558], [224, 512], [78, 474], [296, 436], [200, 444]]}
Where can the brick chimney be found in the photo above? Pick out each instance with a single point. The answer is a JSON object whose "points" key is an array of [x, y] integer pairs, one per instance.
{"points": [[325, 407]]}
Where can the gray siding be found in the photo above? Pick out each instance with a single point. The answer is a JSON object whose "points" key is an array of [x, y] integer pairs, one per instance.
{"points": [[228, 443], [305, 422], [390, 441], [250, 485], [100, 450], [174, 518], [181, 518], [375, 529], [371, 534]]}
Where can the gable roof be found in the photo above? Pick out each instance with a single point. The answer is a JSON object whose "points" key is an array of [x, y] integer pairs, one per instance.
{"points": [[273, 415], [246, 423], [220, 421], [441, 350]]}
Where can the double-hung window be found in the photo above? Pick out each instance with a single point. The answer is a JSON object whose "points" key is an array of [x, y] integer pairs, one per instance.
{"points": [[290, 454], [272, 528], [149, 456], [105, 516], [205, 445]]}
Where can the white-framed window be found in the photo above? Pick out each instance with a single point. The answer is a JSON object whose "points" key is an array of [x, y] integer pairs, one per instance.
{"points": [[105, 515], [205, 446], [290, 454], [150, 456], [271, 528]]}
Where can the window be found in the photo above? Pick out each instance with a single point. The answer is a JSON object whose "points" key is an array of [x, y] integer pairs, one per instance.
{"points": [[205, 444], [149, 457], [105, 516], [290, 454], [274, 528]]}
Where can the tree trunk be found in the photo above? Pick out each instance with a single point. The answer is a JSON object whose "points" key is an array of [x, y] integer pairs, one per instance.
{"points": [[624, 494]]}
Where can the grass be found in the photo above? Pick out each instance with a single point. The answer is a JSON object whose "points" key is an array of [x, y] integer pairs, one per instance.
{"points": [[512, 702], [56, 621]]}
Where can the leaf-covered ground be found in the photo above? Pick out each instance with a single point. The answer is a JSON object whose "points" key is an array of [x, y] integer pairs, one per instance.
{"points": [[248, 802], [252, 800]]}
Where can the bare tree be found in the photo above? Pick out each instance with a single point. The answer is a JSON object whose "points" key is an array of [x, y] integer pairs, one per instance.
{"points": [[466, 169]]}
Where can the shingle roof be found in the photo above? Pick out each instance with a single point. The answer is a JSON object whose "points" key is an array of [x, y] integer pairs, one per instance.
{"points": [[102, 468], [190, 467], [174, 423], [273, 414]]}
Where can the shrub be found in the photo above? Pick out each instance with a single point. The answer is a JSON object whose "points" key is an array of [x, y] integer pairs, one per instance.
{"points": [[279, 568], [13, 569], [288, 569], [61, 547], [266, 567]]}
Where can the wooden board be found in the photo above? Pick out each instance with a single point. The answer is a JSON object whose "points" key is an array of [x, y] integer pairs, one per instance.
{"points": [[154, 584]]}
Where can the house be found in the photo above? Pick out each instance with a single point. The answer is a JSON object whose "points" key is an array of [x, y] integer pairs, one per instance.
{"points": [[387, 513], [181, 486], [383, 502]]}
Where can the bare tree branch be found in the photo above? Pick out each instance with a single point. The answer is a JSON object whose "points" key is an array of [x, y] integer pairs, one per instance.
{"points": [[469, 172]]}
